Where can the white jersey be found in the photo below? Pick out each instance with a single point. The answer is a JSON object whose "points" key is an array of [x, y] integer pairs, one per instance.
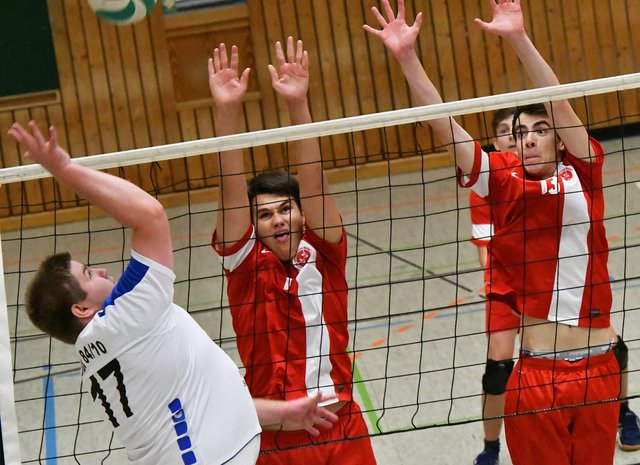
{"points": [[171, 394]]}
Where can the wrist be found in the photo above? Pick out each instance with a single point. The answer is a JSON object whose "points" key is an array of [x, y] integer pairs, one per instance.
{"points": [[516, 37], [58, 166], [299, 111], [406, 56], [227, 109], [297, 103]]}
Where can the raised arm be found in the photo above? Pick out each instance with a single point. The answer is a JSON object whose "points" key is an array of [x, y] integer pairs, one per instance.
{"points": [[228, 90], [508, 23], [291, 82], [126, 203], [400, 38]]}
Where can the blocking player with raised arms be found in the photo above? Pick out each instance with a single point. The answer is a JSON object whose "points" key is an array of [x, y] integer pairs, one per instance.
{"points": [[556, 274], [283, 249], [169, 392], [502, 325]]}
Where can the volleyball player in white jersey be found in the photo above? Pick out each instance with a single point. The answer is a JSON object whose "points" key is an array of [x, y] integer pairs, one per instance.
{"points": [[170, 393], [548, 256]]}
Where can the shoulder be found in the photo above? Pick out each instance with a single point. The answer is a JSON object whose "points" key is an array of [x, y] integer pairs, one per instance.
{"points": [[323, 246]]}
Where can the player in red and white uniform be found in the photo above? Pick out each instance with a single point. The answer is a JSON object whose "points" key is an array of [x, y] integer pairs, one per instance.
{"points": [[283, 249], [501, 321], [169, 392], [548, 256]]}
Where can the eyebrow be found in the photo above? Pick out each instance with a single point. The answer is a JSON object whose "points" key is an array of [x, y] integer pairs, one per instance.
{"points": [[264, 207], [536, 125], [541, 123]]}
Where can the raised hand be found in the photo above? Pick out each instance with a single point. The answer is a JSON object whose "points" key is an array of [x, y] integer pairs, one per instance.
{"points": [[396, 34], [36, 148], [291, 80], [227, 87], [507, 18]]}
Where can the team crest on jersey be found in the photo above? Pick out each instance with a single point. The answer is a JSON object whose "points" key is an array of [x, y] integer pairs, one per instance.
{"points": [[566, 174], [302, 257]]}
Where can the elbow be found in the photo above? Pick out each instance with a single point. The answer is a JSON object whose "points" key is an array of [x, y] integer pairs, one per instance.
{"points": [[154, 212]]}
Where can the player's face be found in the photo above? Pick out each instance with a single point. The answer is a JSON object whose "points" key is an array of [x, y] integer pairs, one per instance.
{"points": [[537, 145], [278, 221], [95, 282], [504, 141]]}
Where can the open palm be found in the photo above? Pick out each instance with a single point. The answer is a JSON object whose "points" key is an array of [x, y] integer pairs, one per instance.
{"points": [[291, 80], [507, 18], [227, 86], [395, 34]]}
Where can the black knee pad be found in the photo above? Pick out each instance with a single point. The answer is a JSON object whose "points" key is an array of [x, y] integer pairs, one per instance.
{"points": [[496, 375], [621, 351]]}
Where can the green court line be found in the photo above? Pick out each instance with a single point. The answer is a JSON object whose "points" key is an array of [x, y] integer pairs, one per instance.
{"points": [[367, 403]]}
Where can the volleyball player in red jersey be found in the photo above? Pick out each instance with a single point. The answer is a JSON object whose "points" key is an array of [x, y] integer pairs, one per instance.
{"points": [[548, 257], [283, 249], [502, 325]]}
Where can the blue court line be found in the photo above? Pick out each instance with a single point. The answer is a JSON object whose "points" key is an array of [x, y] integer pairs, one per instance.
{"points": [[51, 447]]}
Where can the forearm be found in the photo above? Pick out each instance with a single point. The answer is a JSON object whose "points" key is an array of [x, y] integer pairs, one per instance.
{"points": [[230, 162], [450, 133], [537, 68], [270, 413], [125, 202], [307, 151], [321, 213], [233, 203], [565, 120]]}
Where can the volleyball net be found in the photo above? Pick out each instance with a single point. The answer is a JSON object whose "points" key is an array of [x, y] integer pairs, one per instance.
{"points": [[416, 302]]}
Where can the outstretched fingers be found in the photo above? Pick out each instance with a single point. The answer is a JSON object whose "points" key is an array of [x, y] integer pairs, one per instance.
{"points": [[291, 52], [18, 132], [37, 135], [376, 13], [215, 68], [224, 61], [325, 418], [273, 73], [280, 54], [234, 58], [300, 52], [418, 22], [389, 11]]}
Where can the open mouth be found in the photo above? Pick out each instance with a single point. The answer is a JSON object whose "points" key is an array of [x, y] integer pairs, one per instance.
{"points": [[281, 237]]}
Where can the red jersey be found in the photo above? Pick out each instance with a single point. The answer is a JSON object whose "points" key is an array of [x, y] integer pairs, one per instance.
{"points": [[481, 227], [550, 248], [290, 318]]}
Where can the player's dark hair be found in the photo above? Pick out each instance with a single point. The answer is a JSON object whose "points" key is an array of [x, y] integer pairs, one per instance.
{"points": [[535, 109], [278, 182], [50, 296]]}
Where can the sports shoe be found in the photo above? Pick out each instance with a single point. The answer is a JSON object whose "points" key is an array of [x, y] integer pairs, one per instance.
{"points": [[486, 457], [629, 431]]}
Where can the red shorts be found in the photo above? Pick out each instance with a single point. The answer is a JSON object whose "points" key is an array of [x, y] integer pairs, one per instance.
{"points": [[499, 316], [339, 446], [582, 434]]}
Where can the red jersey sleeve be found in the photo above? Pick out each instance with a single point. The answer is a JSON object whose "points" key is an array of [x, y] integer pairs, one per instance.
{"points": [[336, 253], [589, 168], [468, 180], [481, 228], [232, 257]]}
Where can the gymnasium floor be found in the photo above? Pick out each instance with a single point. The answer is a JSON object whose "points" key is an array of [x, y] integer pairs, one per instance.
{"points": [[418, 314]]}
